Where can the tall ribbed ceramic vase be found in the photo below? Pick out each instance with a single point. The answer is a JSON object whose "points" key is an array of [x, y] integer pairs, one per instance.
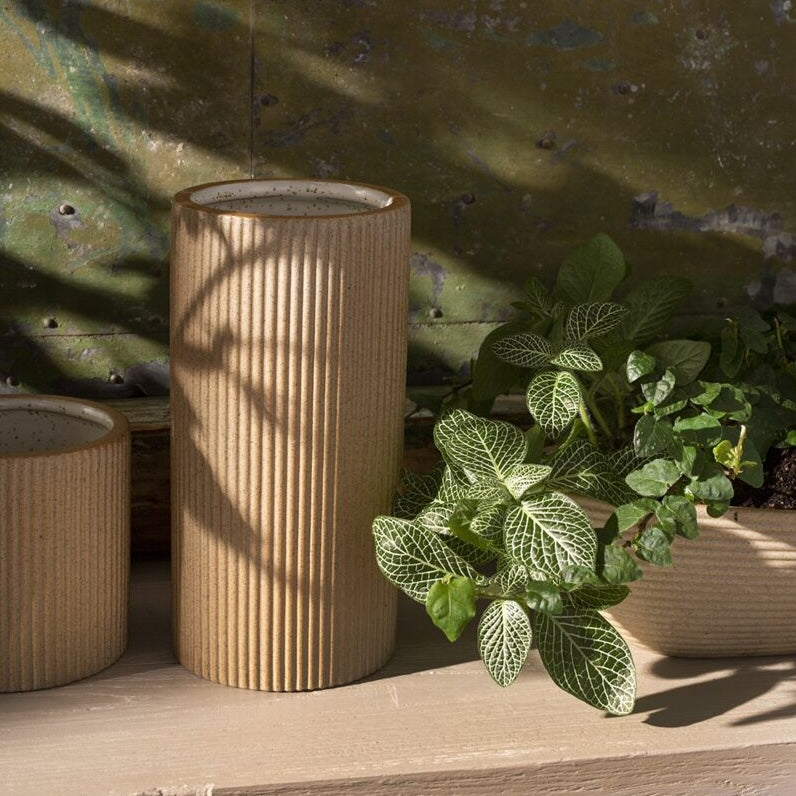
{"points": [[288, 358]]}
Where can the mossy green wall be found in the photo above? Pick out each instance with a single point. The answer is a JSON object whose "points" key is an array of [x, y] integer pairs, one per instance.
{"points": [[518, 129]]}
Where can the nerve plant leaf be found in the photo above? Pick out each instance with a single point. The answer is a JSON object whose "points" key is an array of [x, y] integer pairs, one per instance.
{"points": [[577, 356], [585, 655], [504, 640], [593, 319], [481, 448], [548, 534], [414, 558], [523, 350], [584, 469], [553, 400]]}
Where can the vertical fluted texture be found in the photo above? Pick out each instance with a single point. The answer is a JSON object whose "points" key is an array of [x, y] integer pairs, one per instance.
{"points": [[732, 591], [288, 358], [64, 563]]}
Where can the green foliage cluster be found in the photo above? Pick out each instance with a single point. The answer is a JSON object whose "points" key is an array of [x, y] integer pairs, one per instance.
{"points": [[648, 425], [495, 523]]}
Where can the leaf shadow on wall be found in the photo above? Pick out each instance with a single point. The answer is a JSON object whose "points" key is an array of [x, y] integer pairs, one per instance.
{"points": [[84, 252]]}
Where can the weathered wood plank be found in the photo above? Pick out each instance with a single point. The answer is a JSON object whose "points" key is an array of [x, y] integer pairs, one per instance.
{"points": [[431, 721]]}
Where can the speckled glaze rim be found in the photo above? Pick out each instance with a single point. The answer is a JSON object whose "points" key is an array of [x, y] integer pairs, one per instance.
{"points": [[115, 423], [358, 192]]}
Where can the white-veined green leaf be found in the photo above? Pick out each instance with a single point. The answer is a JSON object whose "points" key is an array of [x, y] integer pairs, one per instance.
{"points": [[651, 305], [549, 533], [538, 298], [553, 400], [586, 656], [504, 640], [593, 319], [435, 517], [414, 558], [523, 350], [485, 448], [584, 469], [577, 356], [597, 597], [418, 490], [510, 577], [524, 476]]}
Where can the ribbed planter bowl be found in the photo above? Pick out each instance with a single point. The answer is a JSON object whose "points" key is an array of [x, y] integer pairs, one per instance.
{"points": [[731, 592], [64, 539], [288, 358]]}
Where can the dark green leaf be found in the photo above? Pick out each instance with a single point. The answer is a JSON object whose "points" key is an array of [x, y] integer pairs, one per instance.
{"points": [[591, 272], [652, 436], [639, 364], [677, 515], [656, 392], [597, 597], [652, 544], [651, 306], [654, 479], [451, 605], [703, 430], [712, 486], [685, 358], [617, 566], [541, 595]]}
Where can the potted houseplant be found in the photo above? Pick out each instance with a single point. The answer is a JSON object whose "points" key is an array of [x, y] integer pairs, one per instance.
{"points": [[498, 521], [718, 444], [510, 517]]}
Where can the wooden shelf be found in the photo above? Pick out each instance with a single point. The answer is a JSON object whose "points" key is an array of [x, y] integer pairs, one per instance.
{"points": [[430, 722]]}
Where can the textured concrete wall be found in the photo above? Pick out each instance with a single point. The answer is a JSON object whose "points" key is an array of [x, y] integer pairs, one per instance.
{"points": [[518, 129]]}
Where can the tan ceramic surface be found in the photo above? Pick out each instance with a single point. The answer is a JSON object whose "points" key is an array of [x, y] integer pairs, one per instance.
{"points": [[288, 367], [64, 539], [730, 592]]}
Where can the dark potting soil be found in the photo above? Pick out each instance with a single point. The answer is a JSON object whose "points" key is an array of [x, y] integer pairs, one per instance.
{"points": [[779, 485]]}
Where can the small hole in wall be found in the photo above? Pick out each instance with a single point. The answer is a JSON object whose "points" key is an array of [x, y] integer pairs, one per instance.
{"points": [[12, 381], [435, 312], [702, 34], [49, 323], [66, 209], [115, 378]]}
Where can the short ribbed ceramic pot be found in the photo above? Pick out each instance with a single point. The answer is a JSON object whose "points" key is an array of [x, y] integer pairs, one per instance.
{"points": [[731, 592], [64, 539], [288, 368]]}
